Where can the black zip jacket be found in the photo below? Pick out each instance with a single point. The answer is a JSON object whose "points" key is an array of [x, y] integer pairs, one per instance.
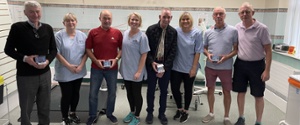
{"points": [[154, 33]]}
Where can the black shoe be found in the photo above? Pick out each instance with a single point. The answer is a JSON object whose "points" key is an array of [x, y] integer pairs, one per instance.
{"points": [[91, 120], [184, 117], [240, 121], [149, 118], [102, 112], [113, 119], [177, 115], [66, 121], [163, 119], [74, 118]]}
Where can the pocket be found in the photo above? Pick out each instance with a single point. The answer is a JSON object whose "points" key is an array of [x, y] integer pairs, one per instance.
{"points": [[135, 44]]}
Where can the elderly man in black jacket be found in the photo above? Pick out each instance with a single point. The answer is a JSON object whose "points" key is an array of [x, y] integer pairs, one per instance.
{"points": [[32, 44], [163, 44]]}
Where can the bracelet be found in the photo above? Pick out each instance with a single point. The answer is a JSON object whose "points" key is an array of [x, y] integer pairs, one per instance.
{"points": [[117, 58]]}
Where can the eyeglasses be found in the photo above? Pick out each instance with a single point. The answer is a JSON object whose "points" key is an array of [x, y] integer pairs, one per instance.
{"points": [[220, 14], [36, 35], [245, 12]]}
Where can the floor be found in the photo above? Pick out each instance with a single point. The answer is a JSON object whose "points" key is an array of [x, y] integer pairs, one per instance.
{"points": [[272, 115]]}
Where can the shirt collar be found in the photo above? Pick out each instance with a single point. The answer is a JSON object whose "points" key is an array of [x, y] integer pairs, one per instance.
{"points": [[161, 27], [32, 24], [253, 26], [219, 29], [100, 27]]}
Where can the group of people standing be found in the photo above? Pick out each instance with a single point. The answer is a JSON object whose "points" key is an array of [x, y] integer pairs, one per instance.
{"points": [[161, 55]]}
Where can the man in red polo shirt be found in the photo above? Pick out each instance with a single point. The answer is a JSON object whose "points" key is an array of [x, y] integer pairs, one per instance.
{"points": [[103, 46]]}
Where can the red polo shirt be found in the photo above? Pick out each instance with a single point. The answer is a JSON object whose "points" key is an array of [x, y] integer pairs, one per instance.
{"points": [[105, 44]]}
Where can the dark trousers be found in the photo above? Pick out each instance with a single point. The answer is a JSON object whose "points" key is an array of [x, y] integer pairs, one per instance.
{"points": [[163, 87], [134, 96], [69, 96], [176, 79], [37, 88]]}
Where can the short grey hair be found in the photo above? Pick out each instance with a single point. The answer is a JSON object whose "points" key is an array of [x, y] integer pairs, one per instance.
{"points": [[219, 7], [32, 4], [248, 5]]}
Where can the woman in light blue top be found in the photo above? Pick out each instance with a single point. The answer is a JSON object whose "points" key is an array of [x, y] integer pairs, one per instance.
{"points": [[185, 65], [134, 52], [70, 66]]}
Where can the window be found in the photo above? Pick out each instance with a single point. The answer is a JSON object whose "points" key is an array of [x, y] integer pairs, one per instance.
{"points": [[292, 28]]}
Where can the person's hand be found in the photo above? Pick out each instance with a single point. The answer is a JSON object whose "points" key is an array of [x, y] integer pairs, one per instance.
{"points": [[78, 69], [154, 66], [265, 76], [222, 59], [72, 68], [42, 65], [159, 75], [30, 61], [113, 62], [99, 63], [137, 75], [209, 57], [193, 72]]}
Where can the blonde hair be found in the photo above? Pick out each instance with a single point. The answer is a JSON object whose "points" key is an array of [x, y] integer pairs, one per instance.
{"points": [[32, 4], [189, 16], [137, 15], [69, 16]]}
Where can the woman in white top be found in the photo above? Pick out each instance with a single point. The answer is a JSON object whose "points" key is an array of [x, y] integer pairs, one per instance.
{"points": [[70, 66], [134, 52]]}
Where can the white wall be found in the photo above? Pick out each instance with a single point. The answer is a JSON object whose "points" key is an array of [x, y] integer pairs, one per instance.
{"points": [[7, 64], [170, 3]]}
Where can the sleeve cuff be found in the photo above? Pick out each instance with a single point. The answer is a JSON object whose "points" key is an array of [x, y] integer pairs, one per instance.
{"points": [[24, 58]]}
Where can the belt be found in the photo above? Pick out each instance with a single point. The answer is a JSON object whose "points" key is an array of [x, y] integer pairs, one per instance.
{"points": [[254, 61]]}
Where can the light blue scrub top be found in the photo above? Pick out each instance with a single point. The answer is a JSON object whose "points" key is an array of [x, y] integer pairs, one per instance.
{"points": [[132, 50], [188, 44], [72, 50]]}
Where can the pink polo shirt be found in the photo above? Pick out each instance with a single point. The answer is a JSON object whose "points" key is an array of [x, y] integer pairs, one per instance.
{"points": [[252, 41]]}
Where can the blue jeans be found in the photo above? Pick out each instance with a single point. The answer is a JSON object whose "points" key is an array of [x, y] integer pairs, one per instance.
{"points": [[163, 87], [96, 81]]}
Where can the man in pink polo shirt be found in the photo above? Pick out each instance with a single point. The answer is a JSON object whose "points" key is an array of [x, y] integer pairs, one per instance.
{"points": [[252, 66]]}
